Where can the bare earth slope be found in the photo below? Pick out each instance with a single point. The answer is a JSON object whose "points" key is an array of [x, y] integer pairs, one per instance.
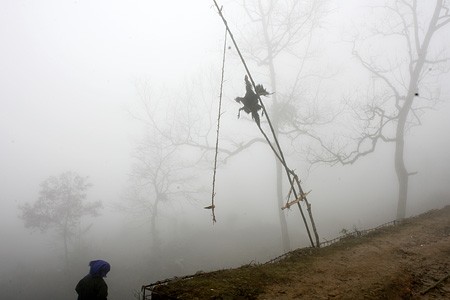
{"points": [[399, 262]]}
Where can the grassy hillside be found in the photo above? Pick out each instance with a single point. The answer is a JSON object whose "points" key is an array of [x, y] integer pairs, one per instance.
{"points": [[402, 261]]}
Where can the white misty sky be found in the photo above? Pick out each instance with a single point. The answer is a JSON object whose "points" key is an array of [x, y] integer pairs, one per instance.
{"points": [[68, 71], [68, 74]]}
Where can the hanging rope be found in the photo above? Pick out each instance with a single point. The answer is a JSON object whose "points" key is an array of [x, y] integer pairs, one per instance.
{"points": [[293, 178], [213, 194], [278, 154]]}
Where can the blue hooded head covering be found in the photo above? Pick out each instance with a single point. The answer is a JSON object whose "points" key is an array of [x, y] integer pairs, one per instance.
{"points": [[99, 268]]}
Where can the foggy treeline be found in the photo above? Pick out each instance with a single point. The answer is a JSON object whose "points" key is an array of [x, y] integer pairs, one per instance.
{"points": [[109, 119]]}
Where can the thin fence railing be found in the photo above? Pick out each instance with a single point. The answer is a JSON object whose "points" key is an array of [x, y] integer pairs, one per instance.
{"points": [[355, 233]]}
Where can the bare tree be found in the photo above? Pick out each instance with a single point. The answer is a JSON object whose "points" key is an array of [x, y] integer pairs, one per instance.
{"points": [[61, 205], [280, 28], [158, 176], [403, 83], [162, 171]]}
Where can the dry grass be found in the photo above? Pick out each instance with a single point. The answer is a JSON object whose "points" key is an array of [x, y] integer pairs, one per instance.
{"points": [[382, 263]]}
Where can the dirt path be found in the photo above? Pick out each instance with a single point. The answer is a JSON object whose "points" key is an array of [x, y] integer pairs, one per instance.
{"points": [[396, 263]]}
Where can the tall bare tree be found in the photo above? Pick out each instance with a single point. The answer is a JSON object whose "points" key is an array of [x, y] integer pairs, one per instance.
{"points": [[161, 173], [283, 28], [404, 66]]}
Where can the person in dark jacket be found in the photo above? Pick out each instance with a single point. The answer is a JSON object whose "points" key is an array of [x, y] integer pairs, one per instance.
{"points": [[92, 286]]}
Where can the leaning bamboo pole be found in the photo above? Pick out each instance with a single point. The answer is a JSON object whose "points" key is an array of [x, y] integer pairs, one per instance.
{"points": [[279, 154]]}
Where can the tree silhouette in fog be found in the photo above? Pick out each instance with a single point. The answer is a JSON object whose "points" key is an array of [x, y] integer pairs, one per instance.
{"points": [[161, 172], [60, 206], [397, 51], [285, 29]]}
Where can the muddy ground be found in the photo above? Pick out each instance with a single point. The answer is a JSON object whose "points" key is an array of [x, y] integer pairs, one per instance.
{"points": [[398, 262]]}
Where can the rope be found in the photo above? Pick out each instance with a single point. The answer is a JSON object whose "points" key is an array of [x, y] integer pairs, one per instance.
{"points": [[213, 193], [279, 155]]}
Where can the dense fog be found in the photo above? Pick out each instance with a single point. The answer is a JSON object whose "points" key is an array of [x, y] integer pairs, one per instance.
{"points": [[117, 91]]}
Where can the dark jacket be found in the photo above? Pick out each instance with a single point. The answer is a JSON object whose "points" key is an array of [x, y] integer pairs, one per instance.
{"points": [[92, 288]]}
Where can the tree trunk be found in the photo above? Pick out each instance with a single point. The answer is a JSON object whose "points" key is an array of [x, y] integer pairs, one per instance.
{"points": [[286, 243], [153, 229], [66, 250], [402, 174]]}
